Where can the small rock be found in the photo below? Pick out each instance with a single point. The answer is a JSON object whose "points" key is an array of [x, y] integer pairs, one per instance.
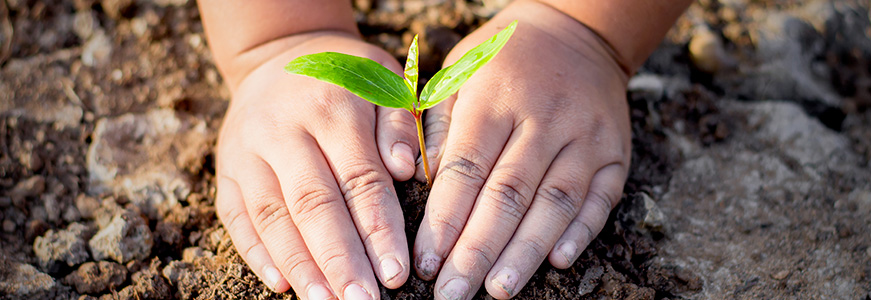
{"points": [[87, 205], [647, 83], [8, 226], [84, 24], [590, 280], [190, 254], [781, 275], [147, 284], [62, 247], [52, 208], [97, 49], [92, 278], [116, 8], [707, 52], [127, 237], [128, 156], [35, 228], [175, 270], [654, 218], [18, 280], [30, 187], [165, 3]]}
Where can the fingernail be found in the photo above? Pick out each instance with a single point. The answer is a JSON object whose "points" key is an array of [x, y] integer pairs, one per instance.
{"points": [[390, 268], [318, 292], [506, 279], [455, 289], [356, 292], [271, 276], [401, 153], [568, 250], [429, 263]]}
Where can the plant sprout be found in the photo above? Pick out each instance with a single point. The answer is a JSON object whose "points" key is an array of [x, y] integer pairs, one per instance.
{"points": [[375, 83]]}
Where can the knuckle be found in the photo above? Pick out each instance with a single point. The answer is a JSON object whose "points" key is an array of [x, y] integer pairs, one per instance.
{"points": [[294, 262], [437, 125], [232, 215], [601, 200], [311, 200], [508, 194], [361, 180], [467, 167], [267, 210], [446, 225], [565, 200], [374, 232], [534, 247], [334, 259], [398, 119], [481, 252]]}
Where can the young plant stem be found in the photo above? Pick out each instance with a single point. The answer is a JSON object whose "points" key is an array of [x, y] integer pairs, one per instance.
{"points": [[417, 120]]}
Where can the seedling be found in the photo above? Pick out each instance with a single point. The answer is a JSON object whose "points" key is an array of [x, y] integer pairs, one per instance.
{"points": [[375, 83]]}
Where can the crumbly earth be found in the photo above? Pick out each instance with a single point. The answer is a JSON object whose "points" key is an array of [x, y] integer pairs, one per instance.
{"points": [[750, 174]]}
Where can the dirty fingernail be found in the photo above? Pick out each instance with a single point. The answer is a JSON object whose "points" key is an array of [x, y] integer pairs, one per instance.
{"points": [[506, 279], [428, 263], [318, 292], [390, 268], [401, 153], [356, 292], [568, 250], [455, 289]]}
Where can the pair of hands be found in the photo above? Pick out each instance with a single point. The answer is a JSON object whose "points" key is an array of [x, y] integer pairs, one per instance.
{"points": [[531, 156]]}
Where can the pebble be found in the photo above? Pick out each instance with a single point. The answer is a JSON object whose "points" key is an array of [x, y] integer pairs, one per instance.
{"points": [[30, 187], [87, 205], [125, 238], [781, 275], [84, 24], [19, 280], [57, 248], [707, 52], [97, 50], [96, 277], [8, 226]]}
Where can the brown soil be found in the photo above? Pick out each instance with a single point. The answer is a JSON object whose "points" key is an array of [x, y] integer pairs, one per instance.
{"points": [[723, 200]]}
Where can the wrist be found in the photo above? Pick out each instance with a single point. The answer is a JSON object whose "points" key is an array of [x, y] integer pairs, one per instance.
{"points": [[565, 30], [236, 68]]}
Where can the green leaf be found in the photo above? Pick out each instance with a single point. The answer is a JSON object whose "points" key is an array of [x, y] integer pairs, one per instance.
{"points": [[362, 76], [411, 67], [448, 81]]}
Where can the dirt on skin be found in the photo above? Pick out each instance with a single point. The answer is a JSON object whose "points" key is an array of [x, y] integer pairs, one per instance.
{"points": [[751, 154]]}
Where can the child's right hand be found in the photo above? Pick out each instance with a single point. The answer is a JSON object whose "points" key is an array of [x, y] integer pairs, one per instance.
{"points": [[304, 190]]}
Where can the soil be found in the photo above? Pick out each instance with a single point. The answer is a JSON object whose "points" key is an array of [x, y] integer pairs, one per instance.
{"points": [[750, 174]]}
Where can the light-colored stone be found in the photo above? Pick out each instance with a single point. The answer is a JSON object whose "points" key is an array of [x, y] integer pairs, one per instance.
{"points": [[127, 237], [147, 157], [97, 50]]}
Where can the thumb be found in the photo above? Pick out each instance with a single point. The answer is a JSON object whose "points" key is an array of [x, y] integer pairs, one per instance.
{"points": [[396, 135]]}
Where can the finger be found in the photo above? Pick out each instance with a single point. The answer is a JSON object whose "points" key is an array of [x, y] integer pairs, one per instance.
{"points": [[605, 191], [499, 208], [396, 134], [437, 121], [272, 221], [371, 199], [557, 201], [234, 216], [319, 212], [471, 149]]}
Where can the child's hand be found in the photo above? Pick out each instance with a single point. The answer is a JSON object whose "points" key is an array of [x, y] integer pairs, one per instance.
{"points": [[531, 155], [302, 188]]}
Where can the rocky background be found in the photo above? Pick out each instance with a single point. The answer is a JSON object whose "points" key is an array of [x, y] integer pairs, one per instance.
{"points": [[750, 176]]}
